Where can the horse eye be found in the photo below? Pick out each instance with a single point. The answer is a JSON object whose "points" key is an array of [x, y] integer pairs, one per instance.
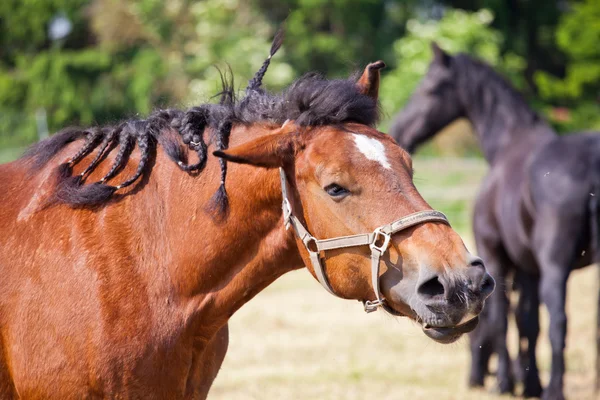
{"points": [[337, 191]]}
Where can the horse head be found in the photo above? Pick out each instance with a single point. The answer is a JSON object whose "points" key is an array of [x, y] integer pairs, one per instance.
{"points": [[362, 228]]}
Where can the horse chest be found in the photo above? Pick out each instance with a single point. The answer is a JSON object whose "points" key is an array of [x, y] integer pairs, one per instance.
{"points": [[127, 372], [103, 358], [501, 211]]}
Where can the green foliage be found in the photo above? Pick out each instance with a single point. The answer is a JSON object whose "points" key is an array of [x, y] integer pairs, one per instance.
{"points": [[578, 36], [127, 58], [233, 34], [336, 37], [81, 87], [24, 23], [124, 58], [528, 29], [458, 31], [24, 62]]}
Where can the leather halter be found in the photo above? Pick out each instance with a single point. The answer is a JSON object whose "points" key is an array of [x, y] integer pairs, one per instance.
{"points": [[378, 241]]}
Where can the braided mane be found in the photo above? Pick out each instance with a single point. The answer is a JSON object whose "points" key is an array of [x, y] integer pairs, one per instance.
{"points": [[312, 100]]}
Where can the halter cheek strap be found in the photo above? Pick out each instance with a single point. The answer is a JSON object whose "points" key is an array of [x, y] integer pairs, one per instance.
{"points": [[378, 241]]}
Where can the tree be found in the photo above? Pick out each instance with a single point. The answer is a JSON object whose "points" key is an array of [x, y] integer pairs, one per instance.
{"points": [[528, 28], [458, 31], [578, 36], [123, 59], [337, 37]]}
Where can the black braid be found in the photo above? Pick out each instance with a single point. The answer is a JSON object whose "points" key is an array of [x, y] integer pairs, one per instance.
{"points": [[143, 144], [92, 138], [175, 117], [222, 143], [220, 201], [256, 81], [192, 133], [167, 120], [125, 148], [109, 136], [311, 101], [70, 189]]}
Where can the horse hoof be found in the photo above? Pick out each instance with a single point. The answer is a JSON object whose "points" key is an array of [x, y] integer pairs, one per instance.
{"points": [[505, 387], [476, 382], [532, 390], [553, 395]]}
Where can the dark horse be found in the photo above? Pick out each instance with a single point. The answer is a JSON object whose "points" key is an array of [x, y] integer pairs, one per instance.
{"points": [[124, 250], [536, 215]]}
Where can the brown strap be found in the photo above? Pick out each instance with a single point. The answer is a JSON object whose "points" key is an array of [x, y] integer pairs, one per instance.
{"points": [[378, 241], [415, 219], [362, 239]]}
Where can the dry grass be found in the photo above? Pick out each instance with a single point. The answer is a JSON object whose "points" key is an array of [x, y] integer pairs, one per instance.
{"points": [[295, 341]]}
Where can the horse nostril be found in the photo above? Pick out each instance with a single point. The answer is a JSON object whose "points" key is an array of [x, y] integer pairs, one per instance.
{"points": [[488, 286], [476, 276], [431, 289]]}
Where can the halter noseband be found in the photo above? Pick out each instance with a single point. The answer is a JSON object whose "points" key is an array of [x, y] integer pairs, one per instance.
{"points": [[378, 241]]}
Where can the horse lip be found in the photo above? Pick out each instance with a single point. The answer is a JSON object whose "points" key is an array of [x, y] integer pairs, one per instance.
{"points": [[464, 327], [392, 311], [447, 334]]}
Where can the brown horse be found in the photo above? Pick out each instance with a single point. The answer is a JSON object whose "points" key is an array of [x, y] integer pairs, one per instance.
{"points": [[124, 291]]}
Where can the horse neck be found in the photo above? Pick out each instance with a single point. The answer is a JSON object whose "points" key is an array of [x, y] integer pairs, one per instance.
{"points": [[219, 263], [499, 114], [225, 261]]}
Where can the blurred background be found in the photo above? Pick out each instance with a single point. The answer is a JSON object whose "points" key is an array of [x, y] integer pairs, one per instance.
{"points": [[86, 62]]}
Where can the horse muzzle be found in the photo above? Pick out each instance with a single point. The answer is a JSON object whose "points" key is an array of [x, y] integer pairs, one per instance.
{"points": [[446, 304], [446, 335]]}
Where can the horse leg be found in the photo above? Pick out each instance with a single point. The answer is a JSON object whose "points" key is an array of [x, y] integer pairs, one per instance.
{"points": [[528, 322], [206, 365], [7, 387], [553, 290], [490, 335], [481, 351], [556, 254], [482, 348], [500, 312]]}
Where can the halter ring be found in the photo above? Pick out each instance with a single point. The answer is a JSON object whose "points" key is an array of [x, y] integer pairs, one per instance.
{"points": [[379, 234], [371, 306]]}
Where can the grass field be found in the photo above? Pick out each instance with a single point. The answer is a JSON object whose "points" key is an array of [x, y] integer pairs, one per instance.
{"points": [[295, 341]]}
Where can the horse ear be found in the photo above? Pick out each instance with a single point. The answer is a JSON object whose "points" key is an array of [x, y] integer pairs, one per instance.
{"points": [[439, 55], [368, 83], [269, 151]]}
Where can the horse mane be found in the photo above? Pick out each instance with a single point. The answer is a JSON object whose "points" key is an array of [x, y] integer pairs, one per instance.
{"points": [[312, 100], [479, 77]]}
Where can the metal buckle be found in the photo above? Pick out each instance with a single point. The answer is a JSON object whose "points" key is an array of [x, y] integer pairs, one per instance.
{"points": [[307, 240], [371, 306], [379, 234]]}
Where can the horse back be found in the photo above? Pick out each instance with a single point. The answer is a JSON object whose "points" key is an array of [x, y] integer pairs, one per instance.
{"points": [[564, 179], [75, 292]]}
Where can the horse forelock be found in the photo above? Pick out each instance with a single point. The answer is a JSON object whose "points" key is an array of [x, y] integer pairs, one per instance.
{"points": [[311, 100]]}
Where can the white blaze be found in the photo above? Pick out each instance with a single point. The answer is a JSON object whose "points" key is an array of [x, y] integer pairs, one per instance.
{"points": [[373, 149]]}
